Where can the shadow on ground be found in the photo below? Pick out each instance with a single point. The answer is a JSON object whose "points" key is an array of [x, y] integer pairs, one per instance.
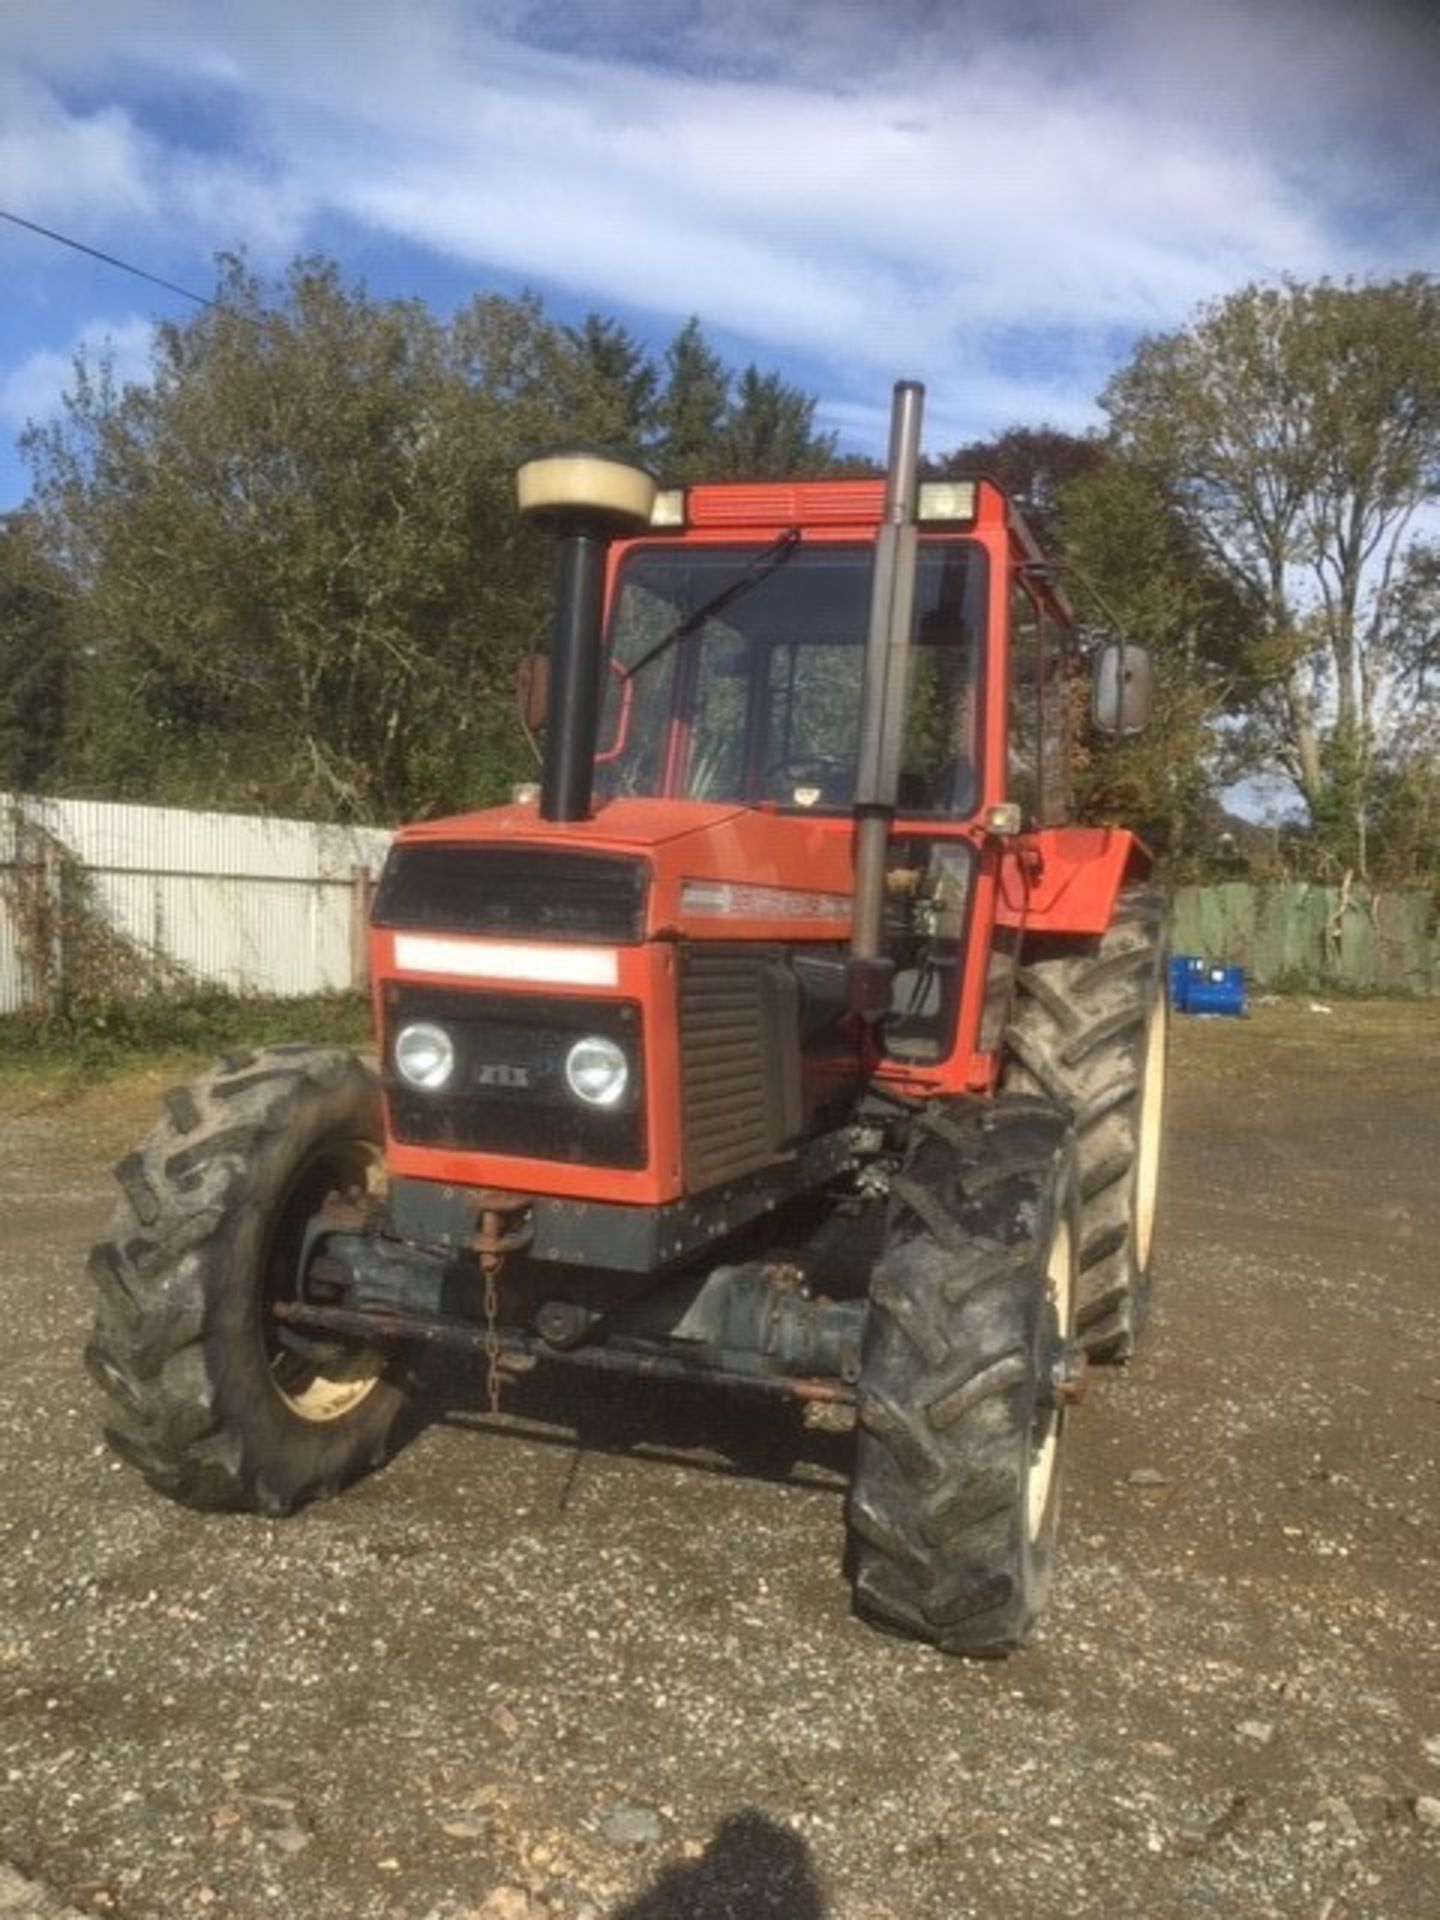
{"points": [[753, 1869], [702, 1428]]}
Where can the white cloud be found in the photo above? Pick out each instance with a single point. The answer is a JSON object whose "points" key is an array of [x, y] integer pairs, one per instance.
{"points": [[234, 203], [52, 159], [923, 187], [31, 392]]}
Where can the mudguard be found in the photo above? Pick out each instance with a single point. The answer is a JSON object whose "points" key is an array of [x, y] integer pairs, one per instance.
{"points": [[1060, 880]]}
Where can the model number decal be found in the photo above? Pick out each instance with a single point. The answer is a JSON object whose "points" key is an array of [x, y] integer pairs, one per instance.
{"points": [[491, 1074], [726, 897]]}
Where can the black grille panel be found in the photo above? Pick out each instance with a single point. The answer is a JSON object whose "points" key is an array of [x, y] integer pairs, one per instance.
{"points": [[739, 1060], [529, 893], [509, 1093]]}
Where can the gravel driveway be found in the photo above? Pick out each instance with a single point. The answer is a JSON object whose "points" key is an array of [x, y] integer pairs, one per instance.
{"points": [[595, 1661]]}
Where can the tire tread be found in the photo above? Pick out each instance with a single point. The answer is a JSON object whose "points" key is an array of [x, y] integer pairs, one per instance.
{"points": [[1076, 1038], [164, 1271], [947, 1381]]}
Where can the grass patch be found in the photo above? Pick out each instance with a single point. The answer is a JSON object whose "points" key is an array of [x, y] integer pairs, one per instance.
{"points": [[1395, 1043], [62, 1055]]}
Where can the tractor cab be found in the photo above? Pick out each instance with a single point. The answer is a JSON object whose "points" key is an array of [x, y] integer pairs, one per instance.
{"points": [[735, 672]]}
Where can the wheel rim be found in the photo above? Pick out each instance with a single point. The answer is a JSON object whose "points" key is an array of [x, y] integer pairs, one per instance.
{"points": [[318, 1382], [327, 1390], [1057, 1320], [1152, 1109]]}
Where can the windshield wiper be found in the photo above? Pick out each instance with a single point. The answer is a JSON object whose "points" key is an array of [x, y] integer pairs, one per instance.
{"points": [[760, 568]]}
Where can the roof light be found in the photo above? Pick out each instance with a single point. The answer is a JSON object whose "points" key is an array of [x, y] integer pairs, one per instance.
{"points": [[669, 508], [946, 500]]}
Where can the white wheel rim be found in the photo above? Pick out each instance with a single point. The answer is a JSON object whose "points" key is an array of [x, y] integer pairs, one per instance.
{"points": [[1152, 1112], [331, 1392], [322, 1391], [1045, 1457]]}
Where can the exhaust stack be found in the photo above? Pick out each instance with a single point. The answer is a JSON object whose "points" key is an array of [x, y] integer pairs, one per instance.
{"points": [[882, 713], [586, 500]]}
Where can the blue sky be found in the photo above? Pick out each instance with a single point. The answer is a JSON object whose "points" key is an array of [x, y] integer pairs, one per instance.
{"points": [[996, 198]]}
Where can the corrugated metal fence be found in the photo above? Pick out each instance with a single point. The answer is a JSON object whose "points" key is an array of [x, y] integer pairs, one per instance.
{"points": [[121, 900], [1345, 937], [104, 898]]}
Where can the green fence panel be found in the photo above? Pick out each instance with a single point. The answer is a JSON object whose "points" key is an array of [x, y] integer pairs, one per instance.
{"points": [[1406, 947], [1301, 935], [1214, 929], [1354, 949], [1269, 956], [1184, 920]]}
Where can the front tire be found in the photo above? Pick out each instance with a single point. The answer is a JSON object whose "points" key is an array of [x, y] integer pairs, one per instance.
{"points": [[210, 1399], [955, 1499], [1089, 1032]]}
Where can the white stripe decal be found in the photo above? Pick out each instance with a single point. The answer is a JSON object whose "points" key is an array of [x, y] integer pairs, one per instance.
{"points": [[494, 960]]}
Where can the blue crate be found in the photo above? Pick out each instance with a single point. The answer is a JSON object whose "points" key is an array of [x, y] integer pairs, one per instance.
{"points": [[1181, 965], [1198, 987]]}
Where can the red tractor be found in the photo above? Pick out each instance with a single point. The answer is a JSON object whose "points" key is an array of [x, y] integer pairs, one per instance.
{"points": [[787, 1039]]}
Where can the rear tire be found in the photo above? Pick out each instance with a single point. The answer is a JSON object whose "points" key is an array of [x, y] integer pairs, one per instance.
{"points": [[955, 1498], [1089, 1032], [211, 1400]]}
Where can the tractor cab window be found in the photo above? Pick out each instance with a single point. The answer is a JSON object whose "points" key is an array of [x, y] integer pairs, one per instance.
{"points": [[1038, 752], [760, 702]]}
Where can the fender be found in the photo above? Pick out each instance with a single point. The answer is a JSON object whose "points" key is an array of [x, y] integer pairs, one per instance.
{"points": [[1067, 879]]}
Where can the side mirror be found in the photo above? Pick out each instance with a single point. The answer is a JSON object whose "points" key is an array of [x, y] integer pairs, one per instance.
{"points": [[532, 690], [1123, 693]]}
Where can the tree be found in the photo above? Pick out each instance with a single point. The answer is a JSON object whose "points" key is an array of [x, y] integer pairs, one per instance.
{"points": [[769, 431], [1406, 782], [1417, 631], [1297, 430], [297, 564], [757, 426], [1033, 464], [295, 576], [692, 406], [615, 381], [37, 661], [1129, 564], [1134, 569]]}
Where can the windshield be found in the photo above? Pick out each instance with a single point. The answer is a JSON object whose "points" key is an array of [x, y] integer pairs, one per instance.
{"points": [[761, 700]]}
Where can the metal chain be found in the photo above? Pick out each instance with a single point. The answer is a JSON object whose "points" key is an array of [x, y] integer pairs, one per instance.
{"points": [[492, 1342], [493, 1241]]}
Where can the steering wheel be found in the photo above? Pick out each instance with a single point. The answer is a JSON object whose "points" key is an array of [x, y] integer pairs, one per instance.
{"points": [[835, 780]]}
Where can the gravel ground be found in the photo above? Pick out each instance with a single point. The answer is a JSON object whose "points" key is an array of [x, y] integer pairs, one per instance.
{"points": [[595, 1661]]}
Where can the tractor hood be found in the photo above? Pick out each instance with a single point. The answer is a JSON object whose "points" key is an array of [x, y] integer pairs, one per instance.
{"points": [[715, 871]]}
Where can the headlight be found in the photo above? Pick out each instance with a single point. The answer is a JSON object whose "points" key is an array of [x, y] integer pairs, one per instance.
{"points": [[597, 1072], [424, 1056]]}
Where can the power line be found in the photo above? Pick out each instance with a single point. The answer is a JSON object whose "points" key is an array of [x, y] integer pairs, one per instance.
{"points": [[109, 259]]}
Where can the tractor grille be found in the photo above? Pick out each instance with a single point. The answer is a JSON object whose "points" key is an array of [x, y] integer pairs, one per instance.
{"points": [[739, 1060], [509, 1094], [529, 893]]}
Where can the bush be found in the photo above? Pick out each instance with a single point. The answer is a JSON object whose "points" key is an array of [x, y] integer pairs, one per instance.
{"points": [[93, 1040]]}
